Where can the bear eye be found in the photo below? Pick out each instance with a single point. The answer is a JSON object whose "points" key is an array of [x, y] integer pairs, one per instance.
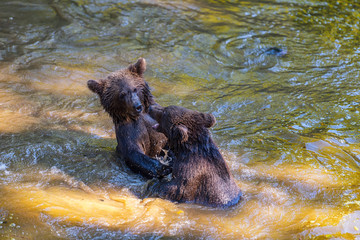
{"points": [[122, 95]]}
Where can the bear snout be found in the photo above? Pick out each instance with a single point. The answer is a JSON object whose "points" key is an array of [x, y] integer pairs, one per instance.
{"points": [[137, 105], [155, 111], [138, 108]]}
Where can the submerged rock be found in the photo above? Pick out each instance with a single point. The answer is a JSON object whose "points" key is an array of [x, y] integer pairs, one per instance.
{"points": [[275, 51]]}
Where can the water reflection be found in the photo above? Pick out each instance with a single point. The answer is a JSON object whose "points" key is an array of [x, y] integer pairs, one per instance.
{"points": [[287, 126]]}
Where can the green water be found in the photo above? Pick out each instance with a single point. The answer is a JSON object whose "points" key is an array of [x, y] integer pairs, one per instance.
{"points": [[287, 126]]}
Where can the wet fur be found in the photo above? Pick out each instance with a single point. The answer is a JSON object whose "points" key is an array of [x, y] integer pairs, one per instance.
{"points": [[120, 94], [200, 174]]}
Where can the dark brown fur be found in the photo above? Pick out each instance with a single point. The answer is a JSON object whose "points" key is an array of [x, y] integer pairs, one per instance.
{"points": [[200, 174], [126, 97]]}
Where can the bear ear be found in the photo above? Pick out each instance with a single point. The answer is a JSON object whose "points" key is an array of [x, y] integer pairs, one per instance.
{"points": [[139, 67], [209, 120], [95, 86], [179, 133]]}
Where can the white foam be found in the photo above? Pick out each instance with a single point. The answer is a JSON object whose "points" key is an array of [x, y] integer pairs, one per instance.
{"points": [[2, 166]]}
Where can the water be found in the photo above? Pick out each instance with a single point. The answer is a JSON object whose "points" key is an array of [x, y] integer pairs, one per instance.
{"points": [[287, 126]]}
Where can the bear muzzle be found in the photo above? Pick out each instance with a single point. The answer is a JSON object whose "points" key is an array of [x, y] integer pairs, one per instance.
{"points": [[137, 105], [138, 108]]}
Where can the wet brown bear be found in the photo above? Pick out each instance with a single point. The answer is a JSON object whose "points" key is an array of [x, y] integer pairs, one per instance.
{"points": [[200, 174], [126, 97]]}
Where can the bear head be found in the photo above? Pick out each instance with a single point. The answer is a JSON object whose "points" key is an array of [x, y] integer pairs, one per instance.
{"points": [[181, 125], [124, 94]]}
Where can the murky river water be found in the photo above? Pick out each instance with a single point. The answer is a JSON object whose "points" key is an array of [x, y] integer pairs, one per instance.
{"points": [[287, 126]]}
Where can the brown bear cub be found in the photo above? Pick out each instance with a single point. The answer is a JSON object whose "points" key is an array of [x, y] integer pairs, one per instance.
{"points": [[200, 174], [125, 95]]}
